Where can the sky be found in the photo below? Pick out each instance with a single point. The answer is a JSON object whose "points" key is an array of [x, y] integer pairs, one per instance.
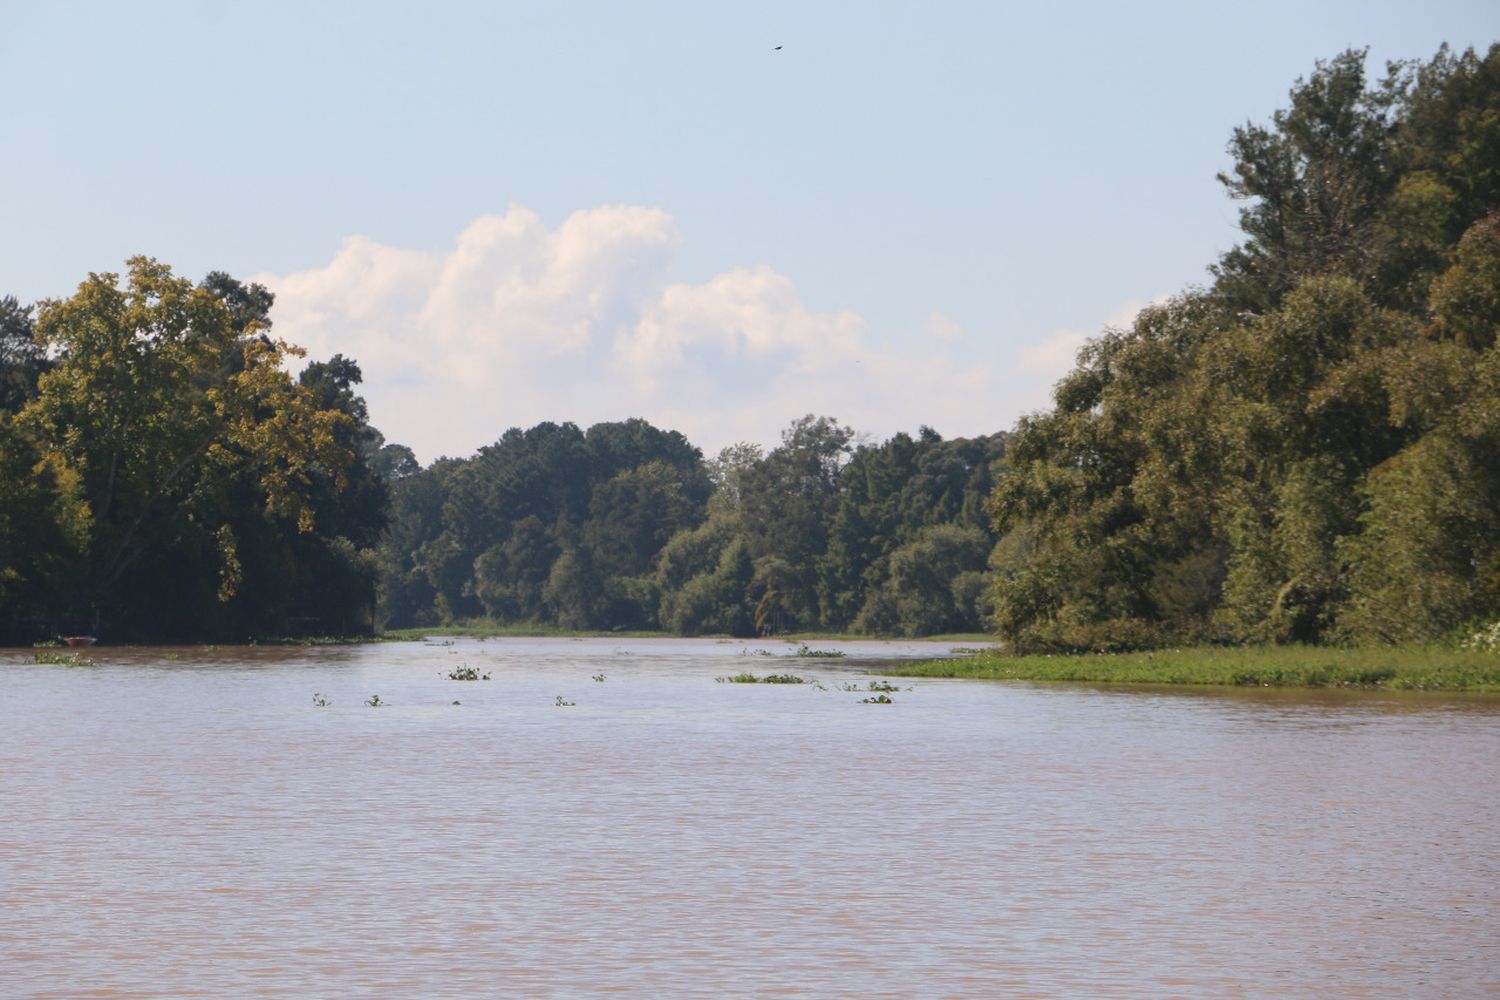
{"points": [[908, 214]]}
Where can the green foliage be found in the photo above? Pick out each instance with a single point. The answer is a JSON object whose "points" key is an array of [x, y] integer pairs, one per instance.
{"points": [[1306, 451], [807, 652], [550, 526], [625, 527], [178, 483], [63, 659], [1486, 640], [22, 360]]}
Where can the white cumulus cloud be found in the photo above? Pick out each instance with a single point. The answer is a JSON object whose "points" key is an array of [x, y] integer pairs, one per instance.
{"points": [[517, 323], [1047, 360]]}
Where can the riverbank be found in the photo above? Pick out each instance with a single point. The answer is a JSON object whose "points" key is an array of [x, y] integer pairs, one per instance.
{"points": [[1257, 666]]}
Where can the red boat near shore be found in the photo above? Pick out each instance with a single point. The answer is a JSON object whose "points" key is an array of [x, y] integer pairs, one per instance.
{"points": [[80, 640]]}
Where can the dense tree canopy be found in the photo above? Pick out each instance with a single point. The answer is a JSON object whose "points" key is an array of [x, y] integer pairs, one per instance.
{"points": [[626, 526], [1308, 450], [175, 472]]}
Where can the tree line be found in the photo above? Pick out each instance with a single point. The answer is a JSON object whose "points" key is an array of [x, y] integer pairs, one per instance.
{"points": [[1306, 449], [163, 477], [625, 526]]}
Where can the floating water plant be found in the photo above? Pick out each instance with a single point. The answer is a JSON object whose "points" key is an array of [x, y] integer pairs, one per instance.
{"points": [[467, 673], [560, 703], [599, 678], [64, 659], [885, 686], [879, 699], [805, 650], [319, 701], [374, 701], [747, 678]]}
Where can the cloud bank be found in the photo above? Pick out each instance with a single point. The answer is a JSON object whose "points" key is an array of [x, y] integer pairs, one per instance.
{"points": [[518, 323]]}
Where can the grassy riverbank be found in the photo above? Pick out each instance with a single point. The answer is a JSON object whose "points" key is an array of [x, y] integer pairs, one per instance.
{"points": [[1257, 666]]}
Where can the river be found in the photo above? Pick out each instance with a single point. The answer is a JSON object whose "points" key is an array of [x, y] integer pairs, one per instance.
{"points": [[191, 821]]}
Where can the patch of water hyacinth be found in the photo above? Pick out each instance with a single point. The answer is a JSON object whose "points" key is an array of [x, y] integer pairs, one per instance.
{"points": [[63, 659]]}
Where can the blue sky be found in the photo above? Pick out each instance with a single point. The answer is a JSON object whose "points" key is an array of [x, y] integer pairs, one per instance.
{"points": [[515, 212]]}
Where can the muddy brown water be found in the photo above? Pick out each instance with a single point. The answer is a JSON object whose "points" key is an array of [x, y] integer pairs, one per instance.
{"points": [[189, 823]]}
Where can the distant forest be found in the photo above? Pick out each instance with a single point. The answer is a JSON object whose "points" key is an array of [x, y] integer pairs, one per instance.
{"points": [[1306, 449]]}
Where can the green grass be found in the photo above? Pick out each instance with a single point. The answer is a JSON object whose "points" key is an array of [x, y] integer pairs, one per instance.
{"points": [[1386, 668]]}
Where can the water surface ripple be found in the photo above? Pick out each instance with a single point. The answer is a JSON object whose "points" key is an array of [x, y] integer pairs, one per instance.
{"points": [[188, 823]]}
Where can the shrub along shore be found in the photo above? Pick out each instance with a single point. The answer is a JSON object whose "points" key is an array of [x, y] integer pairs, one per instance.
{"points": [[1382, 668]]}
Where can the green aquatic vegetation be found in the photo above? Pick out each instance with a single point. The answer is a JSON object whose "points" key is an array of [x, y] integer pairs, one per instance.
{"points": [[878, 687], [374, 701], [467, 673], [561, 703], [747, 678], [599, 678], [169, 656], [63, 659], [807, 651], [319, 701], [879, 699], [756, 652], [1371, 667]]}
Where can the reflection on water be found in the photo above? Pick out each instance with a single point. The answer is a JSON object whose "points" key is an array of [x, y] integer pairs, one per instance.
{"points": [[189, 821]]}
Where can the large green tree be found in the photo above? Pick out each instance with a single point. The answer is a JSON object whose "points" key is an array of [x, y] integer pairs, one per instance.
{"points": [[170, 419], [1303, 451]]}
